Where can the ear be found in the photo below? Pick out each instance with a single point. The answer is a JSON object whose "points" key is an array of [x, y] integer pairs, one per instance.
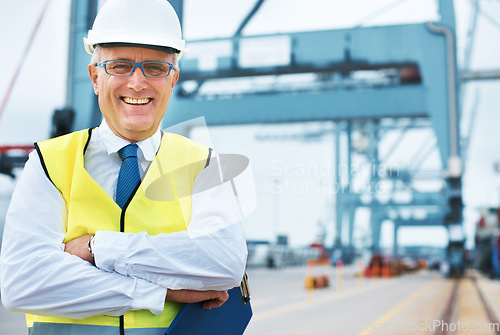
{"points": [[175, 78], [93, 77]]}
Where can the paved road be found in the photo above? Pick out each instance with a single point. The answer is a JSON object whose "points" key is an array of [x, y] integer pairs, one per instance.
{"points": [[282, 306]]}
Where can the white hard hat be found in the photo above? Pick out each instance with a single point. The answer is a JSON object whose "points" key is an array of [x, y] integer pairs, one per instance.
{"points": [[153, 23]]}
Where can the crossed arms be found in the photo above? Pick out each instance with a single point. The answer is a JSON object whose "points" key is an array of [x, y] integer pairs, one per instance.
{"points": [[132, 272], [211, 299]]}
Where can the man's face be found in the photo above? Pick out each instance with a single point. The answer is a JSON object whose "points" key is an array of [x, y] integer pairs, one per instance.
{"points": [[133, 106]]}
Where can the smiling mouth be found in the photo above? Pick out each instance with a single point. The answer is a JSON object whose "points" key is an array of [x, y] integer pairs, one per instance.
{"points": [[135, 102]]}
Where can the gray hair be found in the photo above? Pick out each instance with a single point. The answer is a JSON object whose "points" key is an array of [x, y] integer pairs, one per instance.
{"points": [[96, 58]]}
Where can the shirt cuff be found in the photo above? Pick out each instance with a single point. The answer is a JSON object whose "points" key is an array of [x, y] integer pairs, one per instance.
{"points": [[109, 249], [149, 296]]}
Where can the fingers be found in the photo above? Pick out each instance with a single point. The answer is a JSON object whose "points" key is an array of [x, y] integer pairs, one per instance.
{"points": [[221, 298], [210, 299], [212, 303]]}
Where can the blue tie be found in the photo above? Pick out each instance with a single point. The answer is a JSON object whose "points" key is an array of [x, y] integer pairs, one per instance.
{"points": [[129, 177]]}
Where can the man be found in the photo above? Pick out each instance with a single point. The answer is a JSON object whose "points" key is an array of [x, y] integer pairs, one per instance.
{"points": [[111, 228]]}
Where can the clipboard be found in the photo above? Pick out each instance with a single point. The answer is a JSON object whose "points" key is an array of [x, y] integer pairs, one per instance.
{"points": [[231, 318]]}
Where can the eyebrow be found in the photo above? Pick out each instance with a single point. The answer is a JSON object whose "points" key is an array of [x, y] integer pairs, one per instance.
{"points": [[122, 58], [130, 60]]}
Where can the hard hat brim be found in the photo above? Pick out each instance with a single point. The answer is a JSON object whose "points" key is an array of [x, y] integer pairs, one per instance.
{"points": [[140, 45], [95, 38]]}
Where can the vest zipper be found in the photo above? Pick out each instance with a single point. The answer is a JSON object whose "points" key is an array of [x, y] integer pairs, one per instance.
{"points": [[122, 230]]}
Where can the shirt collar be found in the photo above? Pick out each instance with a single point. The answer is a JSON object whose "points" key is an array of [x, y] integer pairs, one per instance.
{"points": [[149, 147]]}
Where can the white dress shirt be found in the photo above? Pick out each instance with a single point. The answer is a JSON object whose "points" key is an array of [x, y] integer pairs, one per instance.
{"points": [[133, 271]]}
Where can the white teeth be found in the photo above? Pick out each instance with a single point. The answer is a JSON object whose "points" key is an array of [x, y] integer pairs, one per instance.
{"points": [[136, 101]]}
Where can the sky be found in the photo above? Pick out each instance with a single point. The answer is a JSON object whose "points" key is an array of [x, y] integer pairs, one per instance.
{"points": [[40, 89]]}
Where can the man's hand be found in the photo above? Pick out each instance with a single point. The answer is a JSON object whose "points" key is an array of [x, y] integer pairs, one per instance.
{"points": [[80, 247], [211, 299]]}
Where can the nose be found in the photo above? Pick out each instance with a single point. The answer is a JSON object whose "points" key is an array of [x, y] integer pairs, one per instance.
{"points": [[137, 81]]}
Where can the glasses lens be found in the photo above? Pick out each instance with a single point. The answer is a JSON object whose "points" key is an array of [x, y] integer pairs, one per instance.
{"points": [[119, 67], [154, 69]]}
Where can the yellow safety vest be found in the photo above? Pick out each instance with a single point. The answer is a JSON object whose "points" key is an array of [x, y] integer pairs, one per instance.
{"points": [[161, 204]]}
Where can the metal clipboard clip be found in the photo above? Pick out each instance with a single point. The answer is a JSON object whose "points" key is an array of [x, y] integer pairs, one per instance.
{"points": [[245, 290]]}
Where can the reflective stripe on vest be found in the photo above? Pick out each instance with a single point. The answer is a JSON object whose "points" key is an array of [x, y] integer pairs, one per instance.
{"points": [[161, 204]]}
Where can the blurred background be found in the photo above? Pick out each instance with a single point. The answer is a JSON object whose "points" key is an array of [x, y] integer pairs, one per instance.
{"points": [[371, 128]]}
